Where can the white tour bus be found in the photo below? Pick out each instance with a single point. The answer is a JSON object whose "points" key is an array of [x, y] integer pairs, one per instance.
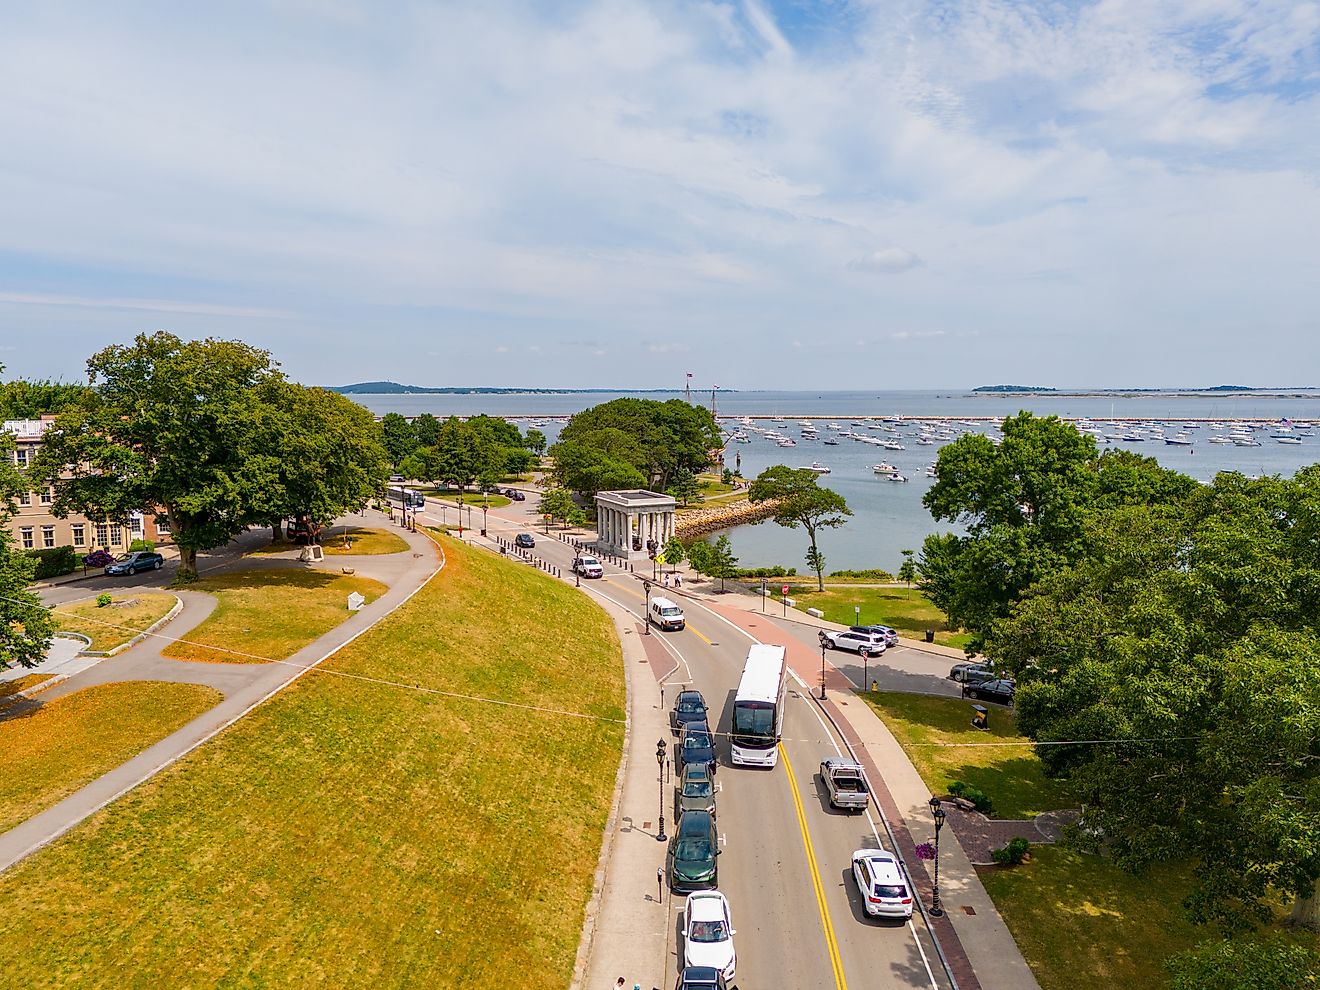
{"points": [[758, 708], [407, 497]]}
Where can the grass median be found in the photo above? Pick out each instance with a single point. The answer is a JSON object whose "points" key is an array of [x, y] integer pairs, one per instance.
{"points": [[905, 609], [52, 749], [356, 833], [128, 614], [269, 613]]}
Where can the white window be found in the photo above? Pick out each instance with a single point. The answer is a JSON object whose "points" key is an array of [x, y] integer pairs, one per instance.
{"points": [[47, 496], [47, 536], [102, 535], [21, 457], [116, 536], [26, 532], [162, 524], [79, 535], [25, 498]]}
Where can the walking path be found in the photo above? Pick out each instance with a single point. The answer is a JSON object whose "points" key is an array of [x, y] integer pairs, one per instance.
{"points": [[244, 685]]}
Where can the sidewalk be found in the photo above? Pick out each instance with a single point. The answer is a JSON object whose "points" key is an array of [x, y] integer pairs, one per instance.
{"points": [[249, 685], [976, 944]]}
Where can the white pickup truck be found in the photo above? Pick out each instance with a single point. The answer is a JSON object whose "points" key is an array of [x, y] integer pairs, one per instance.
{"points": [[845, 783]]}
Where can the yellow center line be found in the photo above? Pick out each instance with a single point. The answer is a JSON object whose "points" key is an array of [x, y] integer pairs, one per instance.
{"points": [[830, 944]]}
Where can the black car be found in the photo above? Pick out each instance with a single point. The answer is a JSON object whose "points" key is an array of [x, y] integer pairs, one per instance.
{"points": [[702, 978], [971, 672], [690, 706], [514, 494], [690, 862], [524, 540], [999, 691], [696, 745], [139, 560]]}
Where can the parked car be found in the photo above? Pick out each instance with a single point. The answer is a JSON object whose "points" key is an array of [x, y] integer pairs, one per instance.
{"points": [[845, 783], [695, 790], [695, 746], [690, 863], [999, 691], [708, 933], [514, 494], [885, 890], [701, 978], [890, 635], [138, 560], [524, 540], [588, 567], [970, 671], [872, 642], [689, 706]]}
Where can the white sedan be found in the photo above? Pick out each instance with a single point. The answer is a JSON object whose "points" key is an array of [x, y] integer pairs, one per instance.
{"points": [[708, 933]]}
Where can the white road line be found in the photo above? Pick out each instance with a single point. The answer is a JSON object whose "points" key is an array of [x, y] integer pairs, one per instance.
{"points": [[664, 641]]}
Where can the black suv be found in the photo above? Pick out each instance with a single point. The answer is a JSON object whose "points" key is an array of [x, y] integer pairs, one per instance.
{"points": [[702, 978], [524, 540]]}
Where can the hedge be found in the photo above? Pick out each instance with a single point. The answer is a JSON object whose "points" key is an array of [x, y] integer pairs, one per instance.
{"points": [[54, 561]]}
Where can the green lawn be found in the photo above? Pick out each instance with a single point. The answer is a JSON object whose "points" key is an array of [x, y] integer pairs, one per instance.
{"points": [[1010, 775], [470, 498], [269, 613], [52, 749], [906, 609], [128, 614], [349, 833]]}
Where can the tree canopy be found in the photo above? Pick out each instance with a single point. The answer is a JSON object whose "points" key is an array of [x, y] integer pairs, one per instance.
{"points": [[1187, 633], [799, 500], [25, 623], [23, 399], [630, 443]]}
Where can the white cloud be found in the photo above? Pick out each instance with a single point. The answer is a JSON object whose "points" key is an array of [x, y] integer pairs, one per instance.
{"points": [[146, 305], [886, 261]]}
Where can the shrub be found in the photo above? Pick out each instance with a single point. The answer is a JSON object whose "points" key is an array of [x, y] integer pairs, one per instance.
{"points": [[145, 545], [1013, 853], [871, 574], [774, 570], [1275, 963], [957, 787], [54, 561], [980, 800], [103, 599]]}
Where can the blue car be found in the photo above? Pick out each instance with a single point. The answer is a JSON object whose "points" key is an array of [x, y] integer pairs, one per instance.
{"points": [[139, 560], [695, 747]]}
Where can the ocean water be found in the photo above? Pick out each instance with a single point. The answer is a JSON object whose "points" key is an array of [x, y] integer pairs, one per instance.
{"points": [[888, 517]]}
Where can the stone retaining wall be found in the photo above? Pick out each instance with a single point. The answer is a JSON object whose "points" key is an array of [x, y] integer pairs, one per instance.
{"points": [[703, 522]]}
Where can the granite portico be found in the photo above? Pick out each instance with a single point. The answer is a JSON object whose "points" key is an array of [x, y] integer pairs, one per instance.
{"points": [[630, 524]]}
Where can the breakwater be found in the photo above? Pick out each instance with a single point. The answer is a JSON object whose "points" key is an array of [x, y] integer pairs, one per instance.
{"points": [[703, 522]]}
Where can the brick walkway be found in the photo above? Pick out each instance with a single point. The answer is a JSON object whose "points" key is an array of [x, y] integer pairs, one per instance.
{"points": [[980, 836]]}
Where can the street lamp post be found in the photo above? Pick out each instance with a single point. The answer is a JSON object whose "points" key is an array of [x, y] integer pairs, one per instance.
{"points": [[646, 614], [938, 813], [866, 663], [822, 667], [660, 759], [762, 596]]}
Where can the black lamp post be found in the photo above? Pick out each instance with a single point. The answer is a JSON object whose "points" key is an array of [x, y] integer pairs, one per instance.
{"points": [[938, 813], [866, 666], [822, 666], [660, 759], [646, 616]]}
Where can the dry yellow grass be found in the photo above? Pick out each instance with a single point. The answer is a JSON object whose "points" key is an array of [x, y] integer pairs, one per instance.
{"points": [[269, 613], [364, 542], [354, 834], [8, 688], [116, 623], [52, 749]]}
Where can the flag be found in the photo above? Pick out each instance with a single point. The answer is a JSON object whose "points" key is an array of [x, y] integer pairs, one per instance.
{"points": [[689, 374]]}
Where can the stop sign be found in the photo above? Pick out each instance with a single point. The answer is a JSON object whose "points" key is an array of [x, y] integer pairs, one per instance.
{"points": [[783, 590]]}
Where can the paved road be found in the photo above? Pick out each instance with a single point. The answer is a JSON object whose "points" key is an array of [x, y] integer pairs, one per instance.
{"points": [[786, 865]]}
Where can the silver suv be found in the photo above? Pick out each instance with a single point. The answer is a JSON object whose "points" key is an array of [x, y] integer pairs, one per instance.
{"points": [[872, 642]]}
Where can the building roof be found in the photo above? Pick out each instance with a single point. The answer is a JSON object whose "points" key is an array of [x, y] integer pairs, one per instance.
{"points": [[637, 499]]}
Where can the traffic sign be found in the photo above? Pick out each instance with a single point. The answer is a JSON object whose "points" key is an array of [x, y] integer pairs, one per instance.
{"points": [[784, 590]]}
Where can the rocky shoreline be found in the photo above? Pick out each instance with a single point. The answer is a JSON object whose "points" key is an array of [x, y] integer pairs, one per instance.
{"points": [[703, 522]]}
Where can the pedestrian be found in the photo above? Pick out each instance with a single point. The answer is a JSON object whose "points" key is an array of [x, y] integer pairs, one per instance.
{"points": [[678, 580], [620, 983], [664, 580]]}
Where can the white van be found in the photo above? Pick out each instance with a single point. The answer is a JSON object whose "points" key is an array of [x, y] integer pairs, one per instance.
{"points": [[665, 614]]}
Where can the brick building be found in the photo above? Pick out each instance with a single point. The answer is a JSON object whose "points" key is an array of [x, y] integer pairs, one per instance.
{"points": [[33, 526]]}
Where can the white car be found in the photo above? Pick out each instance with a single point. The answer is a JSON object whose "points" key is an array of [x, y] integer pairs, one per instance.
{"points": [[588, 567], [708, 933], [872, 642], [885, 891]]}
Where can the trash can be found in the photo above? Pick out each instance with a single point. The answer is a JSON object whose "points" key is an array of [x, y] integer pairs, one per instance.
{"points": [[980, 717], [483, 532], [930, 635]]}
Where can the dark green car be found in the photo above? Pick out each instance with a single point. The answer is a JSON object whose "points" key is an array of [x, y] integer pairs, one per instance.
{"points": [[695, 791], [690, 863]]}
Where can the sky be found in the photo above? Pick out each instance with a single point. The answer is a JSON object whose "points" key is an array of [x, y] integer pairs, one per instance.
{"points": [[813, 194]]}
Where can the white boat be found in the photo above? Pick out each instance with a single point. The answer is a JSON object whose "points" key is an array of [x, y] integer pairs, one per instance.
{"points": [[787, 442], [1179, 440], [1221, 439], [833, 426], [893, 445], [830, 442], [1247, 442], [816, 466], [1288, 440], [894, 476], [884, 467]]}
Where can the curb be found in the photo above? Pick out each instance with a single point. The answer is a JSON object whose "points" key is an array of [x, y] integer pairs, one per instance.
{"points": [[175, 609]]}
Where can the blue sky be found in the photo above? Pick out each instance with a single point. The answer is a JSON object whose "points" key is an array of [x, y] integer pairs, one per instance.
{"points": [[789, 194]]}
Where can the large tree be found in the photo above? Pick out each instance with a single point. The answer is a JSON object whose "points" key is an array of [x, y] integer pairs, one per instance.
{"points": [[25, 623], [172, 424], [655, 439], [1024, 505], [398, 437], [1186, 638], [23, 399], [329, 455], [800, 501]]}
